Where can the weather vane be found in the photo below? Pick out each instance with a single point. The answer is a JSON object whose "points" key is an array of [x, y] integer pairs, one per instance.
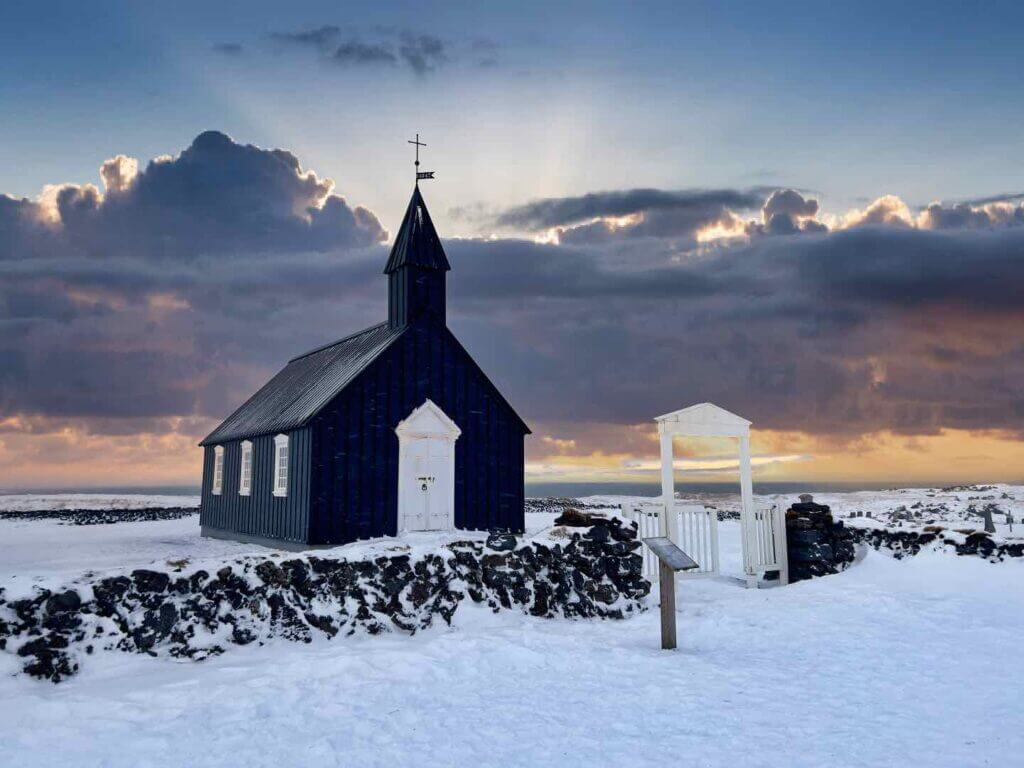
{"points": [[420, 174]]}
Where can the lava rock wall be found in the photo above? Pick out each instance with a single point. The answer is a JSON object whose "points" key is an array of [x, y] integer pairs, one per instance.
{"points": [[906, 543], [818, 545], [595, 573]]}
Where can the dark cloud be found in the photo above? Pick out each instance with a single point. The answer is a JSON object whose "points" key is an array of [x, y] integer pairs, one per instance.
{"points": [[355, 52], [136, 302], [787, 212], [215, 197], [844, 333], [789, 202], [994, 213], [1007, 197], [565, 211], [321, 37], [423, 53], [172, 293], [386, 46]]}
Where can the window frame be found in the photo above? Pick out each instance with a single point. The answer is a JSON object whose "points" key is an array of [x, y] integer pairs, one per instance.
{"points": [[245, 477], [281, 443], [217, 481]]}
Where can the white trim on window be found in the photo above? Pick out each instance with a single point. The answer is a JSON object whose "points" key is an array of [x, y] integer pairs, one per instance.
{"points": [[218, 470], [245, 469], [281, 457]]}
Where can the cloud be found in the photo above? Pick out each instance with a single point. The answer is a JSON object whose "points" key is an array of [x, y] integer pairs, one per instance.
{"points": [[355, 52], [887, 210], [134, 302], [787, 212], [321, 37], [119, 173], [878, 325], [420, 53], [965, 216], [216, 196], [423, 53], [161, 298], [563, 211]]}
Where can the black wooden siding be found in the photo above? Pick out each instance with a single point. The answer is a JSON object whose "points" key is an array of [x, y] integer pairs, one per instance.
{"points": [[413, 293], [354, 461], [261, 513]]}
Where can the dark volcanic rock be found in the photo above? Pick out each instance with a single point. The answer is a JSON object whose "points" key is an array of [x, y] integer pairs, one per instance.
{"points": [[102, 516], [573, 518], [63, 602], [501, 541], [150, 581], [817, 544], [595, 573]]}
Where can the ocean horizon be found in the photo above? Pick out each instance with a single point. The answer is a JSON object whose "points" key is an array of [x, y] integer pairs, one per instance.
{"points": [[569, 489]]}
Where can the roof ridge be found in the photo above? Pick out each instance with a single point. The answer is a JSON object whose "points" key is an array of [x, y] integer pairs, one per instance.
{"points": [[322, 347]]}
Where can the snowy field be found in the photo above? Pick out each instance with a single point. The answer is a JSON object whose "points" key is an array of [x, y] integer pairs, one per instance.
{"points": [[38, 501], [890, 663]]}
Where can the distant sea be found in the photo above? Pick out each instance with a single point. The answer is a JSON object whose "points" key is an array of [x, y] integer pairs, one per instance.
{"points": [[147, 490], [724, 489], [570, 489]]}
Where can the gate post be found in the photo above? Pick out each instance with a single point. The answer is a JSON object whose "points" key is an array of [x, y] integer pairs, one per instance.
{"points": [[666, 526], [781, 543], [747, 511]]}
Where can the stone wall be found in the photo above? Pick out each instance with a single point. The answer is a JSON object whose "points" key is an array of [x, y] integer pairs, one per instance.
{"points": [[905, 543], [592, 572], [817, 544]]}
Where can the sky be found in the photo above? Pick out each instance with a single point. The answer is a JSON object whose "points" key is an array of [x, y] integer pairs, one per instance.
{"points": [[808, 215]]}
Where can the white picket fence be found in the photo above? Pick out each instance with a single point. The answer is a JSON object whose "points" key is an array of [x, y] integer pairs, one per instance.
{"points": [[695, 531], [765, 548]]}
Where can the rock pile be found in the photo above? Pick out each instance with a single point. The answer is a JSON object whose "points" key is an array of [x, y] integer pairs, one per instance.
{"points": [[594, 574], [818, 545]]}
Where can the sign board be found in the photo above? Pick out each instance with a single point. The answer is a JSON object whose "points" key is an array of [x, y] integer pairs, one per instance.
{"points": [[671, 559], [669, 554]]}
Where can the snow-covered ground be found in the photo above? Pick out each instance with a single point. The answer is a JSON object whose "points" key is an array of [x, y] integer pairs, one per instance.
{"points": [[38, 501], [889, 663]]}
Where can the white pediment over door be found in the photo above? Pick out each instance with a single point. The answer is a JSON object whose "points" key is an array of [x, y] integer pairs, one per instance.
{"points": [[428, 421]]}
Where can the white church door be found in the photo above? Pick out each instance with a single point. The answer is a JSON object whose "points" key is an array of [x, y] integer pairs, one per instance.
{"points": [[427, 485], [426, 470]]}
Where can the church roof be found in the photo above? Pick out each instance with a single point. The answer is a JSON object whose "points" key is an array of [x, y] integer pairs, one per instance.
{"points": [[417, 243], [305, 385]]}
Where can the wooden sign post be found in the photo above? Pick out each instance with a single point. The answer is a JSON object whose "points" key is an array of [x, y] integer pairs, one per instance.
{"points": [[671, 559]]}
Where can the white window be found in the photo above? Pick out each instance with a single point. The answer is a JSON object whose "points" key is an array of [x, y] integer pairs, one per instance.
{"points": [[245, 472], [281, 465], [218, 470]]}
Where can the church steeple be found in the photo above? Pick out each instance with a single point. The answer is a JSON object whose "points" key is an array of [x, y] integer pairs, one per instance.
{"points": [[416, 268]]}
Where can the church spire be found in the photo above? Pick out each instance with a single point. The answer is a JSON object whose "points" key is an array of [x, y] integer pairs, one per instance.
{"points": [[416, 268], [417, 242]]}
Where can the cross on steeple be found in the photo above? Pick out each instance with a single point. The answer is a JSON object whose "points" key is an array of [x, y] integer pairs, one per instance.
{"points": [[419, 174]]}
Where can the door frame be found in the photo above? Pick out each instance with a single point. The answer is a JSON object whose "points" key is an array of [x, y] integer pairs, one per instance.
{"points": [[427, 421]]}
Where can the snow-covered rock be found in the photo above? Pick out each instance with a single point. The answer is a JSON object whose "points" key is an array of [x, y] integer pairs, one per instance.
{"points": [[189, 612]]}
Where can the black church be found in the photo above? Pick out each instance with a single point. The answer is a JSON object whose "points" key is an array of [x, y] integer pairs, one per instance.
{"points": [[391, 429]]}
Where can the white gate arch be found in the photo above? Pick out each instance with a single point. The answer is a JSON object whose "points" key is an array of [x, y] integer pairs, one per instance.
{"points": [[763, 530]]}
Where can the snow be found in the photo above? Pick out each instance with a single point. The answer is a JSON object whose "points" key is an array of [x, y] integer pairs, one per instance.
{"points": [[46, 552], [891, 662]]}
